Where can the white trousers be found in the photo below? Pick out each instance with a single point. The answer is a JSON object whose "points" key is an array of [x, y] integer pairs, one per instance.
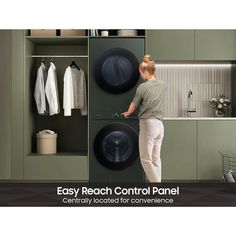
{"points": [[150, 139]]}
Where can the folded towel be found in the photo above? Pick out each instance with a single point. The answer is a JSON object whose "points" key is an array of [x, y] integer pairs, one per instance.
{"points": [[46, 131]]}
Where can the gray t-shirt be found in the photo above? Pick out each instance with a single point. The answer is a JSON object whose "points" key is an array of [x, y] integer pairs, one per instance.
{"points": [[150, 95]]}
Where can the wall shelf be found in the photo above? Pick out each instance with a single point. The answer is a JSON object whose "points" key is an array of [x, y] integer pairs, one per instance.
{"points": [[59, 40], [58, 56], [78, 154]]}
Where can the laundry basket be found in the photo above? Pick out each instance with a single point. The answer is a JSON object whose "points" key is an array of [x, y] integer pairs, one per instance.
{"points": [[228, 166], [46, 143]]}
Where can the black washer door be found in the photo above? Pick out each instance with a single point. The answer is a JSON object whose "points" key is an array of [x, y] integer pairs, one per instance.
{"points": [[116, 146], [116, 70]]}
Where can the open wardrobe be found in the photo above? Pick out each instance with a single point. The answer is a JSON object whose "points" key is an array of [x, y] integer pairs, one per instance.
{"points": [[50, 95]]}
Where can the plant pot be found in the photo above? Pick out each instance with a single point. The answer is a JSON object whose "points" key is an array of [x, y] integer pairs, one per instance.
{"points": [[220, 113]]}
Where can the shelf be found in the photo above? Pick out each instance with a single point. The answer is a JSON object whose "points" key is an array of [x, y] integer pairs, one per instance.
{"points": [[59, 40], [199, 118], [60, 154], [58, 56]]}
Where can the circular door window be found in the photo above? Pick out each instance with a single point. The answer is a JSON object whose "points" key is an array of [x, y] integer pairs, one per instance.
{"points": [[116, 146], [117, 70]]}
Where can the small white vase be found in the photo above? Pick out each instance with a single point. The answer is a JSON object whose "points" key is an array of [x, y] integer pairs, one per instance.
{"points": [[219, 113]]}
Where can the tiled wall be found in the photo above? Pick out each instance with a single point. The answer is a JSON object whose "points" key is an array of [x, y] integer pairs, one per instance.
{"points": [[205, 81]]}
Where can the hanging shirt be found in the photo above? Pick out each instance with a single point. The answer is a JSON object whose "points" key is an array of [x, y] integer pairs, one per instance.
{"points": [[51, 90], [74, 92], [39, 91]]}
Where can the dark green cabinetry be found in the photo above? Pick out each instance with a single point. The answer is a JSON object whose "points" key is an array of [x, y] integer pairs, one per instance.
{"points": [[5, 103], [179, 150], [196, 45], [170, 44], [17, 103], [215, 44], [214, 136], [11, 102], [63, 166], [190, 149]]}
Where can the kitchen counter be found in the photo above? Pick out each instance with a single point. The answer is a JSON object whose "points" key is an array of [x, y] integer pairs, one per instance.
{"points": [[200, 118]]}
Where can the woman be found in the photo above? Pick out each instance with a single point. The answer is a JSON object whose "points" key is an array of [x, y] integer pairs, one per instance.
{"points": [[150, 95]]}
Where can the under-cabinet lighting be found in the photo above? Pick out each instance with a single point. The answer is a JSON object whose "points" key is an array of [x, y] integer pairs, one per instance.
{"points": [[194, 65]]}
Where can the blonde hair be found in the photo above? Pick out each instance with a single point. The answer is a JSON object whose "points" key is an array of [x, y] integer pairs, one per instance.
{"points": [[148, 65]]}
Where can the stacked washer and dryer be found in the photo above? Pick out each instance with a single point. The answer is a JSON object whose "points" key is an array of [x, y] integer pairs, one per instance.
{"points": [[113, 139]]}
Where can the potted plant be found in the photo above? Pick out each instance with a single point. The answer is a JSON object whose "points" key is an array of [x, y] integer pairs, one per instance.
{"points": [[221, 104]]}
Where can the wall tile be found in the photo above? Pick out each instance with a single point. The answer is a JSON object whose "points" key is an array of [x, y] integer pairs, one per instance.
{"points": [[204, 81]]}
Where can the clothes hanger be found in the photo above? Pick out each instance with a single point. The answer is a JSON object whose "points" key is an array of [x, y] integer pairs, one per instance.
{"points": [[74, 64], [52, 59], [43, 60]]}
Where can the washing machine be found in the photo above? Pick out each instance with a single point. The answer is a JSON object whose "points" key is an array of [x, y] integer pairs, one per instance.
{"points": [[113, 140], [114, 152]]}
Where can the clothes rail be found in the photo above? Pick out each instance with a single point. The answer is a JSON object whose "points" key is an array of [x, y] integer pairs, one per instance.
{"points": [[50, 56]]}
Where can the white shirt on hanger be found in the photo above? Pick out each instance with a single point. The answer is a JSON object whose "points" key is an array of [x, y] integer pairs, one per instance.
{"points": [[51, 90], [39, 91], [74, 92]]}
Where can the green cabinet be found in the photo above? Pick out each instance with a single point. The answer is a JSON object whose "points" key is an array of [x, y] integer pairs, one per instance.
{"points": [[214, 136], [191, 44], [63, 167], [170, 44], [215, 44], [17, 103], [5, 104], [190, 149], [179, 150], [11, 103]]}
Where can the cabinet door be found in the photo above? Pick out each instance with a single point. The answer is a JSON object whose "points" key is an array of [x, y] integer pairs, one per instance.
{"points": [[170, 44], [56, 167], [17, 104], [179, 150], [214, 136], [215, 44], [5, 104]]}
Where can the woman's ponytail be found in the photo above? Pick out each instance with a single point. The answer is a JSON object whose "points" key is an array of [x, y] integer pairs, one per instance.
{"points": [[148, 65]]}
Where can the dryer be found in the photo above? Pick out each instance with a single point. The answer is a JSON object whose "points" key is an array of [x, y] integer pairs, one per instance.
{"points": [[113, 140], [114, 73]]}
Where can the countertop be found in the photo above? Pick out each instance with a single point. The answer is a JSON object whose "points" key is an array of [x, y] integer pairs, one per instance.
{"points": [[200, 118]]}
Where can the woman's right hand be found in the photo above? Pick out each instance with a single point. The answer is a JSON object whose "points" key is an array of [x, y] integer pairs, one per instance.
{"points": [[125, 114]]}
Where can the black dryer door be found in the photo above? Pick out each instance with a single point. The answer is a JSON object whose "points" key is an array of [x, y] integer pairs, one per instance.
{"points": [[116, 70], [116, 146]]}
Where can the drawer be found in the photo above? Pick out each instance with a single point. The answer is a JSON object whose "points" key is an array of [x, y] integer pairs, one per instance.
{"points": [[56, 167]]}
